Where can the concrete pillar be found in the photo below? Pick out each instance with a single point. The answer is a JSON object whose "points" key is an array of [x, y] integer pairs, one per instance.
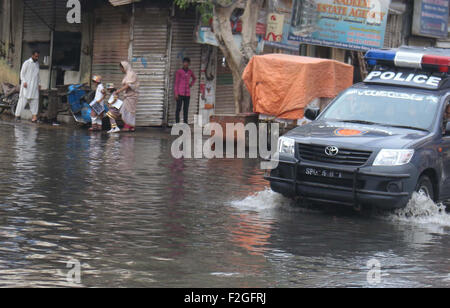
{"points": [[15, 54], [4, 27], [338, 54], [10, 48], [2, 21], [87, 34]]}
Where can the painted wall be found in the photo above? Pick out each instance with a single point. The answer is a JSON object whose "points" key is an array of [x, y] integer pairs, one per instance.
{"points": [[11, 47]]}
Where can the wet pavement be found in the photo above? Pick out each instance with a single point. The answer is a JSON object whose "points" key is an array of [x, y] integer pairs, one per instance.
{"points": [[133, 216]]}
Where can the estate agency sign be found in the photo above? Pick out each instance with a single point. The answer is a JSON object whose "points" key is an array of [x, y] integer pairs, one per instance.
{"points": [[349, 24]]}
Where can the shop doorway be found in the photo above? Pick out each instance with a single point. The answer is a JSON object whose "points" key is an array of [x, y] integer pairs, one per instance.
{"points": [[66, 58]]}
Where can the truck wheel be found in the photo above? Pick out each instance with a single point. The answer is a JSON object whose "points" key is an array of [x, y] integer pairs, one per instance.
{"points": [[425, 187]]}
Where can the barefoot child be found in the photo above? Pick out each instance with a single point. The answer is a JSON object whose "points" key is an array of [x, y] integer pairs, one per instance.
{"points": [[97, 105]]}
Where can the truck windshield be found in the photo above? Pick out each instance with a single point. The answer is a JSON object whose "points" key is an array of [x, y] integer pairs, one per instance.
{"points": [[388, 108]]}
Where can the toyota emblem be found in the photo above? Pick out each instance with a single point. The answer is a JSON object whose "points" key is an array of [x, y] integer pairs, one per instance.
{"points": [[331, 151]]}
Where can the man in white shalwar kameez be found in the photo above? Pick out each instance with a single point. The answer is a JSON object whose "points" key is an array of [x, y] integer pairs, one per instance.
{"points": [[29, 89]]}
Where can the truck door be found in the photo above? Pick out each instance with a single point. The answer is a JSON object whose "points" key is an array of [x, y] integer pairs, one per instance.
{"points": [[445, 190]]}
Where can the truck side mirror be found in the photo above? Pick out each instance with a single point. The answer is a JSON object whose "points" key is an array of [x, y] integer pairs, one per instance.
{"points": [[312, 113]]}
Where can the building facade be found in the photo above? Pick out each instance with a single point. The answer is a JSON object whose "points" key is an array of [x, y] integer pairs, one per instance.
{"points": [[154, 36]]}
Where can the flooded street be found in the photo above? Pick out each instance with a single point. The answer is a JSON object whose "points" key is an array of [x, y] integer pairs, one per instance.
{"points": [[133, 216]]}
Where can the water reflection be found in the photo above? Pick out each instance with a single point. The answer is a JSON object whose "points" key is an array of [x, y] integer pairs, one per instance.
{"points": [[134, 216], [251, 233], [176, 180]]}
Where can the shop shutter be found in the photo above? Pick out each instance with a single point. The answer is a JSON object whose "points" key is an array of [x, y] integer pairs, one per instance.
{"points": [[42, 15], [224, 90], [183, 45], [38, 17], [111, 42], [150, 61], [393, 37]]}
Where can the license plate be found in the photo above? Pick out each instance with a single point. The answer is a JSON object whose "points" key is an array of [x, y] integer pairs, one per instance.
{"points": [[323, 173]]}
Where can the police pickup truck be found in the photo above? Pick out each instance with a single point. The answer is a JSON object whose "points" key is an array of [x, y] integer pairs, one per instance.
{"points": [[379, 141]]}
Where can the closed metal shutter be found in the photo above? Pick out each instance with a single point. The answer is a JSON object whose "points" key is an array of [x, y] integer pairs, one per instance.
{"points": [[224, 90], [150, 36], [183, 45], [111, 42], [38, 18], [394, 31], [42, 15]]}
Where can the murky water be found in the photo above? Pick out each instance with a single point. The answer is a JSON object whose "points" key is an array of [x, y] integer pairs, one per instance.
{"points": [[133, 216]]}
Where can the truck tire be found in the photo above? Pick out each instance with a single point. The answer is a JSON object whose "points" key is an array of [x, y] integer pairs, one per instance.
{"points": [[425, 187]]}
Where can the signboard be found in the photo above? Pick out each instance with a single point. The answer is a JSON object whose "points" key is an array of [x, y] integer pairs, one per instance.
{"points": [[204, 35], [431, 18], [285, 42], [275, 23], [348, 24]]}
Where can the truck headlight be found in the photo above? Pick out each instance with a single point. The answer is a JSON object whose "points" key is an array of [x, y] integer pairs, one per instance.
{"points": [[393, 157], [286, 146]]}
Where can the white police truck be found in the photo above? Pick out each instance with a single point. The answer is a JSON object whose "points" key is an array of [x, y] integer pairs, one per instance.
{"points": [[379, 141]]}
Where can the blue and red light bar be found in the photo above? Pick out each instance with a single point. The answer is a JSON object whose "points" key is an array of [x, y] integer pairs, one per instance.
{"points": [[409, 59]]}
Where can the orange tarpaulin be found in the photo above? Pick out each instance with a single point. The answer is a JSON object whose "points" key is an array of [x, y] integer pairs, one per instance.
{"points": [[283, 85]]}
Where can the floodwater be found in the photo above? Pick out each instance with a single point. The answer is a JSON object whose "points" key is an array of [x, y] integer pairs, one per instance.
{"points": [[133, 216]]}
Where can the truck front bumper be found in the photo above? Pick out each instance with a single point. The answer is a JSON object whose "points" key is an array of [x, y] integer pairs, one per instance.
{"points": [[386, 188]]}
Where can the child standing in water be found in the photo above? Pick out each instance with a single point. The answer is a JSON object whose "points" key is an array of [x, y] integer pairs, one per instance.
{"points": [[97, 105], [114, 105]]}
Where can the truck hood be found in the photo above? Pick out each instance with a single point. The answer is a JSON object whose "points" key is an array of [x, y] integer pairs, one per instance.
{"points": [[357, 136]]}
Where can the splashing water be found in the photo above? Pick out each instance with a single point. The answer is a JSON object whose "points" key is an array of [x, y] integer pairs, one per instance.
{"points": [[267, 202], [262, 201], [422, 210]]}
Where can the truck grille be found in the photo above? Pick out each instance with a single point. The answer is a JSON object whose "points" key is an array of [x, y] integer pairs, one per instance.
{"points": [[313, 152]]}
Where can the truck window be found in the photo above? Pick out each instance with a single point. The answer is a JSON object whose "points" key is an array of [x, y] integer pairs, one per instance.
{"points": [[447, 111], [446, 116], [385, 107]]}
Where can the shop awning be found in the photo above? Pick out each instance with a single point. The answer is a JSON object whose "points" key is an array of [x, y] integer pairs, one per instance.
{"points": [[122, 2]]}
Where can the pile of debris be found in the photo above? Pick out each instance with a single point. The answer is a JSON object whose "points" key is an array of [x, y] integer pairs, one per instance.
{"points": [[9, 97]]}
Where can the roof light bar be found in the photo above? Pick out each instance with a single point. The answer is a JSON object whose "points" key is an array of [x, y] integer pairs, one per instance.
{"points": [[408, 59], [376, 56], [440, 61]]}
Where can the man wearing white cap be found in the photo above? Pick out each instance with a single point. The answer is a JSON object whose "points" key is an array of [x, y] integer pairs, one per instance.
{"points": [[97, 105], [29, 90]]}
